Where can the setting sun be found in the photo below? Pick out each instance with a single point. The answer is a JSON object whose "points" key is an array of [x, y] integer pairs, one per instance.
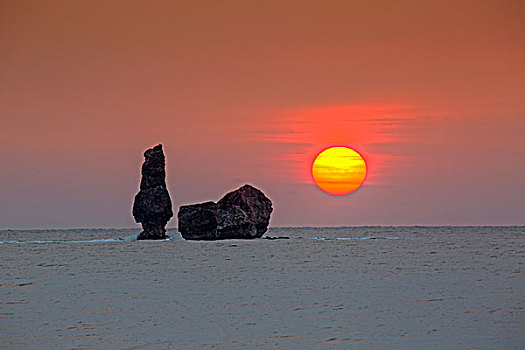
{"points": [[339, 170]]}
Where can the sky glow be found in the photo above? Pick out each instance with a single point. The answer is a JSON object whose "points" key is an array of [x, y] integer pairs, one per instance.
{"points": [[430, 93]]}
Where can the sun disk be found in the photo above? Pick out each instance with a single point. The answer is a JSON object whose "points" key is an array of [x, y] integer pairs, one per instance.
{"points": [[339, 170]]}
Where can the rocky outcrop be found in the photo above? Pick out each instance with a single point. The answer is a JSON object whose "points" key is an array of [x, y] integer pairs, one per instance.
{"points": [[199, 221], [243, 213], [152, 205]]}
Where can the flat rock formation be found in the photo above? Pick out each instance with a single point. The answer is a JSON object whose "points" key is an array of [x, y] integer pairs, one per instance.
{"points": [[243, 213], [152, 205]]}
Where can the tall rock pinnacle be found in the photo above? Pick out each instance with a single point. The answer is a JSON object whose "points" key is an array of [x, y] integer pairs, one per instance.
{"points": [[152, 205]]}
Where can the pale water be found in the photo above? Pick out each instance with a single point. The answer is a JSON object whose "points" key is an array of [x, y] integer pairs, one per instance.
{"points": [[324, 288]]}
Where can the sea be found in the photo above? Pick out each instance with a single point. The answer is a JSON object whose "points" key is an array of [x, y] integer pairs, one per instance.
{"points": [[315, 288]]}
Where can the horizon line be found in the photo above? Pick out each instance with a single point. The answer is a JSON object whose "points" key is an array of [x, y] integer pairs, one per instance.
{"points": [[270, 227]]}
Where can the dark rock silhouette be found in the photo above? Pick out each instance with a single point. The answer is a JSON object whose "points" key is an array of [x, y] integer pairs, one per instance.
{"points": [[152, 205], [243, 213], [199, 221]]}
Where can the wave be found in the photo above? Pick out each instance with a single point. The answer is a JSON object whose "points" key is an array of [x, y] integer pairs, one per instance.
{"points": [[352, 238], [99, 240]]}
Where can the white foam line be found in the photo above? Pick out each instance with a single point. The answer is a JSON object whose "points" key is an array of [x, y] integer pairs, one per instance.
{"points": [[352, 238], [73, 241], [100, 240]]}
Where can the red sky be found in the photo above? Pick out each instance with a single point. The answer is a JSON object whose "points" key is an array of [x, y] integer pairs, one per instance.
{"points": [[432, 93]]}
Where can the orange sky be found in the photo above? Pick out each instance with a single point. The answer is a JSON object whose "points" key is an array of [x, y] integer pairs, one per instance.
{"points": [[432, 93]]}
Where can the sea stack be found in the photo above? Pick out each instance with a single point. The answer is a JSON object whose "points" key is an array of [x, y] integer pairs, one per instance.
{"points": [[241, 214], [152, 205]]}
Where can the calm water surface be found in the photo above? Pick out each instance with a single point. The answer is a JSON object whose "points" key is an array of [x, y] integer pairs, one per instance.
{"points": [[324, 288]]}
